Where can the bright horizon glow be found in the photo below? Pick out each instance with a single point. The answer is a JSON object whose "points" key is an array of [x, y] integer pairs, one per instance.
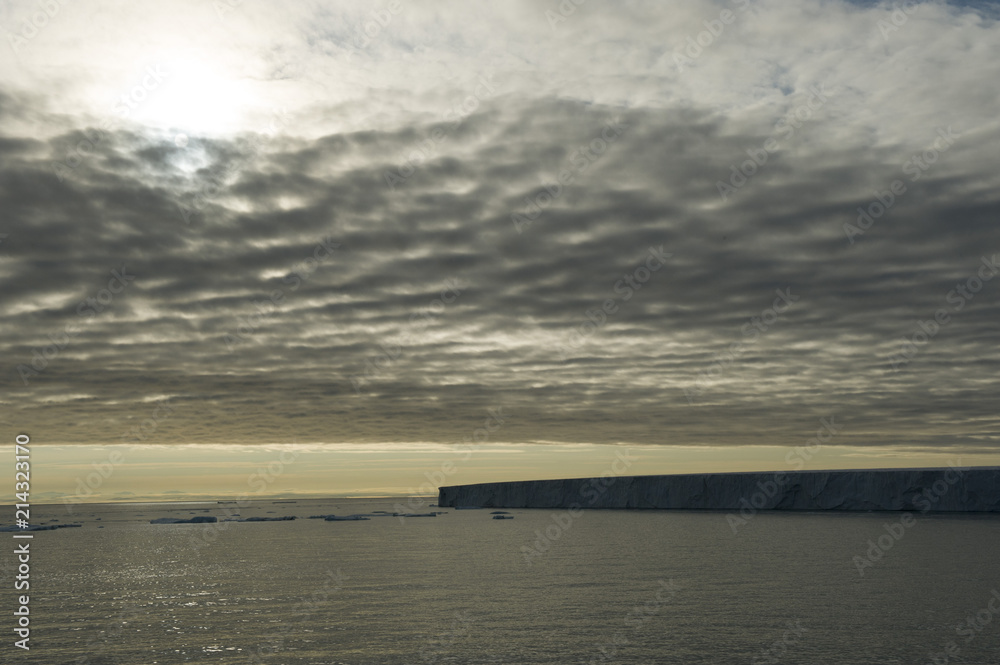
{"points": [[323, 212], [120, 472]]}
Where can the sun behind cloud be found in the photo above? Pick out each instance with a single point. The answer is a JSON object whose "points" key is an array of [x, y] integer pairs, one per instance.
{"points": [[190, 94]]}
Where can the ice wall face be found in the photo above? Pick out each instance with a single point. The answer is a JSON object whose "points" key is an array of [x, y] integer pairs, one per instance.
{"points": [[962, 489]]}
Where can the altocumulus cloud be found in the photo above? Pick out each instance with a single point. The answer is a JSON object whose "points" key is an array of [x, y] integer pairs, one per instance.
{"points": [[355, 110]]}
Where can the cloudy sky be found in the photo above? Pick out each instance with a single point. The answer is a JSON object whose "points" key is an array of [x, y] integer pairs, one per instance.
{"points": [[368, 236]]}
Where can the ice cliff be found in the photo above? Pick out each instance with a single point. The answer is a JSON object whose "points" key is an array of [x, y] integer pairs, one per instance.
{"points": [[950, 489]]}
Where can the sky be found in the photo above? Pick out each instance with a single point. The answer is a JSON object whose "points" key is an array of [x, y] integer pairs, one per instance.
{"points": [[386, 246]]}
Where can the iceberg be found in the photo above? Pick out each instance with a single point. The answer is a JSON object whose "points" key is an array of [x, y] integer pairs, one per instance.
{"points": [[346, 518], [947, 489], [200, 519], [38, 527]]}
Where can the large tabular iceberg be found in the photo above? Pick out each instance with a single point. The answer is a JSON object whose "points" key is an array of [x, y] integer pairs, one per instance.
{"points": [[949, 489]]}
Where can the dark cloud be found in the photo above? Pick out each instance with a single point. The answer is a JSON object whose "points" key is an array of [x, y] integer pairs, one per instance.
{"points": [[433, 306]]}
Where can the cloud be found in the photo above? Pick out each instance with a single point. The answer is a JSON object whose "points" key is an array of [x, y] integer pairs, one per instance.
{"points": [[304, 298]]}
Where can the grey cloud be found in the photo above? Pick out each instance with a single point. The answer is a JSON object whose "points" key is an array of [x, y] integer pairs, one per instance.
{"points": [[504, 337]]}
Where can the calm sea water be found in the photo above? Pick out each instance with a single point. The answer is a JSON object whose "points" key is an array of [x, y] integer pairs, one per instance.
{"points": [[609, 587]]}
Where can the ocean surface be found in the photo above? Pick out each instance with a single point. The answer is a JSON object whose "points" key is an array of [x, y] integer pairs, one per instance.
{"points": [[545, 587]]}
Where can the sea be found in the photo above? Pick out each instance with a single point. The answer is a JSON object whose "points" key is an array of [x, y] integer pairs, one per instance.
{"points": [[543, 586]]}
